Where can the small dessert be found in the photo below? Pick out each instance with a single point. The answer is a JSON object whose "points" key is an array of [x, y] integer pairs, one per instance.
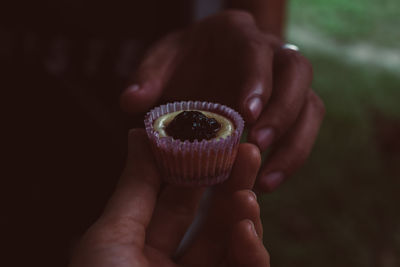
{"points": [[195, 143], [193, 124]]}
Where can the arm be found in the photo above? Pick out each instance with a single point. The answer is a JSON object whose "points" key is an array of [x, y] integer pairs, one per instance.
{"points": [[269, 14]]}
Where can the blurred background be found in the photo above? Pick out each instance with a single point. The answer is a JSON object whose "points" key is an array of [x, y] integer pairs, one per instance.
{"points": [[342, 208]]}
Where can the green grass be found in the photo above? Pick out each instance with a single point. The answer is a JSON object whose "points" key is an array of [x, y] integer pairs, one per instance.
{"points": [[341, 209]]}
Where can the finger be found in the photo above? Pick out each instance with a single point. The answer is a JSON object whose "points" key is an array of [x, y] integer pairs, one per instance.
{"points": [[239, 185], [292, 78], [244, 171], [255, 51], [246, 248], [152, 75], [242, 179], [243, 175], [130, 208], [246, 208], [172, 217], [293, 149], [214, 236], [257, 86]]}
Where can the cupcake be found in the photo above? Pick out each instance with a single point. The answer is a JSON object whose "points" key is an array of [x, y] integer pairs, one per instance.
{"points": [[194, 143]]}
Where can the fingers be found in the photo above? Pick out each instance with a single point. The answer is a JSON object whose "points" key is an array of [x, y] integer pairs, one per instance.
{"points": [[244, 171], [293, 76], [293, 148], [130, 208], [245, 202], [257, 86], [229, 203], [177, 206], [246, 248], [225, 212], [152, 75], [172, 217]]}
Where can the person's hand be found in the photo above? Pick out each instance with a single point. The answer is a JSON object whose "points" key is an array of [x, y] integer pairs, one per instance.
{"points": [[144, 222], [227, 59]]}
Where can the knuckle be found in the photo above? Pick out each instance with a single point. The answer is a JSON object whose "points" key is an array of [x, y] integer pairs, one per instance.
{"points": [[118, 230], [248, 200], [236, 17], [258, 47], [97, 236], [305, 64], [301, 63], [253, 44]]}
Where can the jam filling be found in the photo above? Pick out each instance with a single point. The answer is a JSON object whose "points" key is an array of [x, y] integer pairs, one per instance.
{"points": [[192, 125]]}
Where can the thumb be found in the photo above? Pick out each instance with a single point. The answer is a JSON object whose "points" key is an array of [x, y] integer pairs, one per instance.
{"points": [[131, 207], [152, 75]]}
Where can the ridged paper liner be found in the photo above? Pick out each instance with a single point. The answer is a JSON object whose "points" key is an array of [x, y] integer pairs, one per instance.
{"points": [[198, 163]]}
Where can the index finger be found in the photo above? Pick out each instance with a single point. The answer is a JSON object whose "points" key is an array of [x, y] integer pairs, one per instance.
{"points": [[257, 85], [131, 207]]}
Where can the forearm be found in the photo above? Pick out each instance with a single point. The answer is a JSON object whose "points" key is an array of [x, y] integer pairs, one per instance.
{"points": [[269, 14]]}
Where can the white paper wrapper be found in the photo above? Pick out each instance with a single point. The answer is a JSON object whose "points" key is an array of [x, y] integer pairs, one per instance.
{"points": [[198, 163]]}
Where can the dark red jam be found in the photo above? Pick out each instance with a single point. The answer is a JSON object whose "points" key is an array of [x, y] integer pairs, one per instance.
{"points": [[192, 125]]}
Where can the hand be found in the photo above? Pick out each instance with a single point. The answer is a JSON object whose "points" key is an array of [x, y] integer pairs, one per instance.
{"points": [[227, 59], [143, 224]]}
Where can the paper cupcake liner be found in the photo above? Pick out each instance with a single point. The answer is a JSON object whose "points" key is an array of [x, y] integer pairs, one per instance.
{"points": [[198, 163]]}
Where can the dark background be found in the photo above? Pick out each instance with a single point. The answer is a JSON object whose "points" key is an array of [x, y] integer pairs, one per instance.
{"points": [[63, 66]]}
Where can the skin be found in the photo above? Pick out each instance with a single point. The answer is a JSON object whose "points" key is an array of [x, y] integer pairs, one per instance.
{"points": [[269, 14], [145, 220], [230, 58]]}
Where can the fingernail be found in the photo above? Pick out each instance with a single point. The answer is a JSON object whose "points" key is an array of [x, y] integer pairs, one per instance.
{"points": [[254, 106], [253, 228], [254, 194], [264, 138], [132, 88], [272, 180]]}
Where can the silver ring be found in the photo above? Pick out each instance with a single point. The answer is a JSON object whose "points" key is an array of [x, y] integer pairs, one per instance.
{"points": [[290, 47]]}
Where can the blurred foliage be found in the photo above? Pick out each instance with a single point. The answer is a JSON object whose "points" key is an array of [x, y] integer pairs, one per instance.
{"points": [[341, 209], [374, 21]]}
